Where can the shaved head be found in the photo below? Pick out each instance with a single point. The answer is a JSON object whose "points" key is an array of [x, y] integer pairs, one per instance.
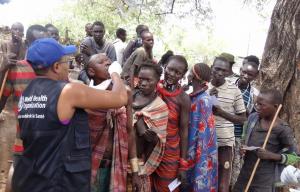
{"points": [[17, 31], [97, 67], [96, 58], [146, 34], [274, 96], [17, 24]]}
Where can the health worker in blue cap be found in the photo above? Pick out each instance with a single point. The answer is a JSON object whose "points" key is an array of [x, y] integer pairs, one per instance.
{"points": [[53, 123]]}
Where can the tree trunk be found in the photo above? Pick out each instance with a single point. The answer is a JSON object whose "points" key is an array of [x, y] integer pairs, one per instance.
{"points": [[280, 66]]}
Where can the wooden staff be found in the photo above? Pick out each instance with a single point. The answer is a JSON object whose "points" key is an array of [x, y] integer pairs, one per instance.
{"points": [[264, 146], [3, 83], [5, 78]]}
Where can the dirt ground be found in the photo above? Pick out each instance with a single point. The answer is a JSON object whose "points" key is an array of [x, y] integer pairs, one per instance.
{"points": [[7, 135]]}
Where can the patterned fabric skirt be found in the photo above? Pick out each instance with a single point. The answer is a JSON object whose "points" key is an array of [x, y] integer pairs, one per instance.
{"points": [[102, 181]]}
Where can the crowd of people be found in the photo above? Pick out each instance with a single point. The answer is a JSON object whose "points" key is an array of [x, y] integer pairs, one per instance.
{"points": [[127, 122]]}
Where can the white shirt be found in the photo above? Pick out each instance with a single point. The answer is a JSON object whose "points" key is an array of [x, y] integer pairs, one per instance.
{"points": [[119, 47]]}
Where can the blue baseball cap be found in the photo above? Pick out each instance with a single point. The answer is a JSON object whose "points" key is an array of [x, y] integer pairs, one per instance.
{"points": [[45, 52]]}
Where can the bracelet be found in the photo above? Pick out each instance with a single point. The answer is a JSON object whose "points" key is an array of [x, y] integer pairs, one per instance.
{"points": [[134, 163], [283, 159]]}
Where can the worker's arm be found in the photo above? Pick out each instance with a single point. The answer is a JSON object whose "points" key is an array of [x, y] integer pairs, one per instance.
{"points": [[75, 95]]}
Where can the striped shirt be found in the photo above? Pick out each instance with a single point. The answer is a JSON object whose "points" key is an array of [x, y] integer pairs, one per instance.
{"points": [[230, 100], [238, 128], [19, 76]]}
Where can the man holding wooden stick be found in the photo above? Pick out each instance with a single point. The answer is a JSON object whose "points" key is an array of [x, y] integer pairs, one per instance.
{"points": [[11, 50], [19, 76], [279, 143]]}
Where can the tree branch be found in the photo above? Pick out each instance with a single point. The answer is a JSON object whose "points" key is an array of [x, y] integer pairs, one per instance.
{"points": [[168, 12], [172, 7], [140, 12]]}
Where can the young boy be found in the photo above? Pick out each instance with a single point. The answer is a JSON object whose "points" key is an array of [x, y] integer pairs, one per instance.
{"points": [[280, 141], [248, 73], [139, 56], [230, 110]]}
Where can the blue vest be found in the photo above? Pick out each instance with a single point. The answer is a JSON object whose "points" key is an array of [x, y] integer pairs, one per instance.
{"points": [[56, 157]]}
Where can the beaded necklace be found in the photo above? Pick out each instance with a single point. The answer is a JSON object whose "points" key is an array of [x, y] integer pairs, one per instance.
{"points": [[163, 91]]}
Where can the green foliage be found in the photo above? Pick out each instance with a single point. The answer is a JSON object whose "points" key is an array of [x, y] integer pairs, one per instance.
{"points": [[169, 21], [114, 14]]}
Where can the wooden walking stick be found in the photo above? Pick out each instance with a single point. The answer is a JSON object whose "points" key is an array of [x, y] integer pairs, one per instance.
{"points": [[3, 83], [4, 79], [264, 146]]}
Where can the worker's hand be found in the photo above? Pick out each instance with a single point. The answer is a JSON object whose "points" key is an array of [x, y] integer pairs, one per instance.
{"points": [[85, 49], [150, 136], [115, 67], [136, 182]]}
